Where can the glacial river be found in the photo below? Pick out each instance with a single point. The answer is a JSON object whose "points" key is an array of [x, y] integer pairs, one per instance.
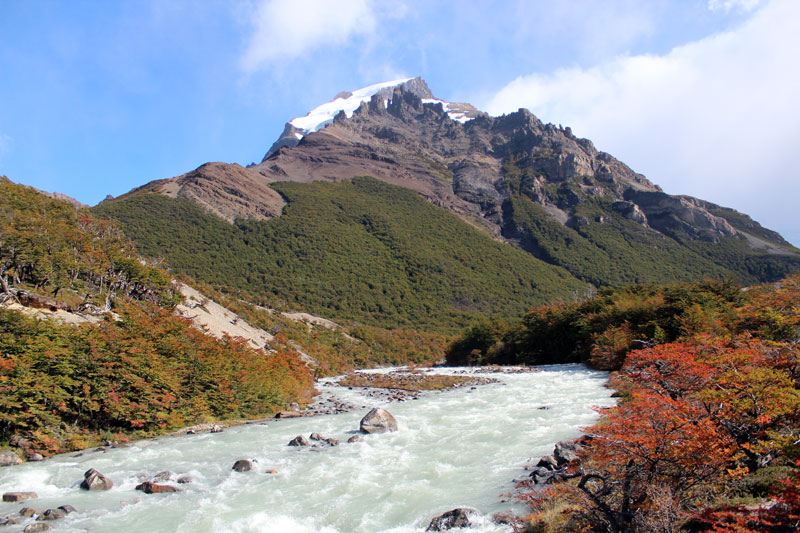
{"points": [[460, 448]]}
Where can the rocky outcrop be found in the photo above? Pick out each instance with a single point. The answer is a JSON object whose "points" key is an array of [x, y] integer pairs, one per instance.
{"points": [[228, 191], [457, 518], [378, 421], [681, 216], [94, 480]]}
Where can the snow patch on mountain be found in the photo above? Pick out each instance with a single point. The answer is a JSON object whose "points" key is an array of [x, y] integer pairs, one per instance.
{"points": [[454, 111], [321, 116]]}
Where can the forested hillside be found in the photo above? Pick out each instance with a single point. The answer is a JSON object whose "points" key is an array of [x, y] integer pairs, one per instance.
{"points": [[127, 366], [361, 250]]}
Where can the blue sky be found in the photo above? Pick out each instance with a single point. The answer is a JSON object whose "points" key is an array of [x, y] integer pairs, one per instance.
{"points": [[699, 95]]}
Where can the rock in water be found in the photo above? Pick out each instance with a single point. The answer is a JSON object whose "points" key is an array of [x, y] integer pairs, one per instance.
{"points": [[36, 528], [53, 514], [242, 465], [299, 440], [565, 452], [378, 421], [18, 496], [152, 488], [451, 519], [94, 480]]}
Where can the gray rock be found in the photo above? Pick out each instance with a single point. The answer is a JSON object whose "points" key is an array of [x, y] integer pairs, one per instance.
{"points": [[67, 508], [28, 512], [549, 462], [242, 465], [94, 480], [566, 452], [53, 514], [35, 457], [185, 479], [316, 436], [166, 475], [299, 440], [36, 528], [11, 520], [354, 438], [459, 517], [9, 458], [378, 421]]}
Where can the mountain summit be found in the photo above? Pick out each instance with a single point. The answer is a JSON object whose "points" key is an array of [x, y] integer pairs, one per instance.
{"points": [[512, 178], [347, 102]]}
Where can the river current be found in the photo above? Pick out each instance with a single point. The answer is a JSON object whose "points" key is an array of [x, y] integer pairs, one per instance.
{"points": [[459, 448]]}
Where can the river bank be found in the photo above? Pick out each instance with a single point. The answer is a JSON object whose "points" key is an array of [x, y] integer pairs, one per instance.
{"points": [[459, 448]]}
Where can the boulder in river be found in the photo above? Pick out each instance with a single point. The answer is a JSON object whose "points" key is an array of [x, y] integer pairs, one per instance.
{"points": [[378, 421], [549, 462], [459, 517], [67, 508], [94, 480], [11, 520], [28, 512], [9, 458], [153, 488], [242, 465], [166, 475], [36, 528], [299, 440], [354, 438], [35, 457], [18, 496], [565, 452], [187, 479], [53, 514]]}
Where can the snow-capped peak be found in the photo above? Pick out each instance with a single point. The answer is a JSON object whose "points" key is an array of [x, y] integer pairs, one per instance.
{"points": [[323, 115], [349, 102]]}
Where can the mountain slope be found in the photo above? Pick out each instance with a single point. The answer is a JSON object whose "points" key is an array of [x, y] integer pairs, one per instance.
{"points": [[525, 183], [361, 250]]}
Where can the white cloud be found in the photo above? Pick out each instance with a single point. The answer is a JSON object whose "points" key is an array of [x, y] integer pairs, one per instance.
{"points": [[287, 29], [728, 5], [718, 118]]}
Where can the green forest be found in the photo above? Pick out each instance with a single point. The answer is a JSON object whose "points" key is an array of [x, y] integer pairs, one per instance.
{"points": [[361, 250]]}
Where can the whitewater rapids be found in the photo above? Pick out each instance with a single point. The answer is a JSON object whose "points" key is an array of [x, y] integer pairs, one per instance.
{"points": [[459, 448]]}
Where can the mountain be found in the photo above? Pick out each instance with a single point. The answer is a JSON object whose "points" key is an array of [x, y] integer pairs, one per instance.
{"points": [[511, 179]]}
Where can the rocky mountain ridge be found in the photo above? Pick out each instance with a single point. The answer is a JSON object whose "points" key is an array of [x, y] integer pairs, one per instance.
{"points": [[531, 184]]}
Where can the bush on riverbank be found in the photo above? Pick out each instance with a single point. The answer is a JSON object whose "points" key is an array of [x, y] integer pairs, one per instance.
{"points": [[706, 436]]}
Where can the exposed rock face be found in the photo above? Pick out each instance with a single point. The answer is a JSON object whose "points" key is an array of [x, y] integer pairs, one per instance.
{"points": [[452, 519], [378, 421], [94, 480], [681, 215], [229, 191]]}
